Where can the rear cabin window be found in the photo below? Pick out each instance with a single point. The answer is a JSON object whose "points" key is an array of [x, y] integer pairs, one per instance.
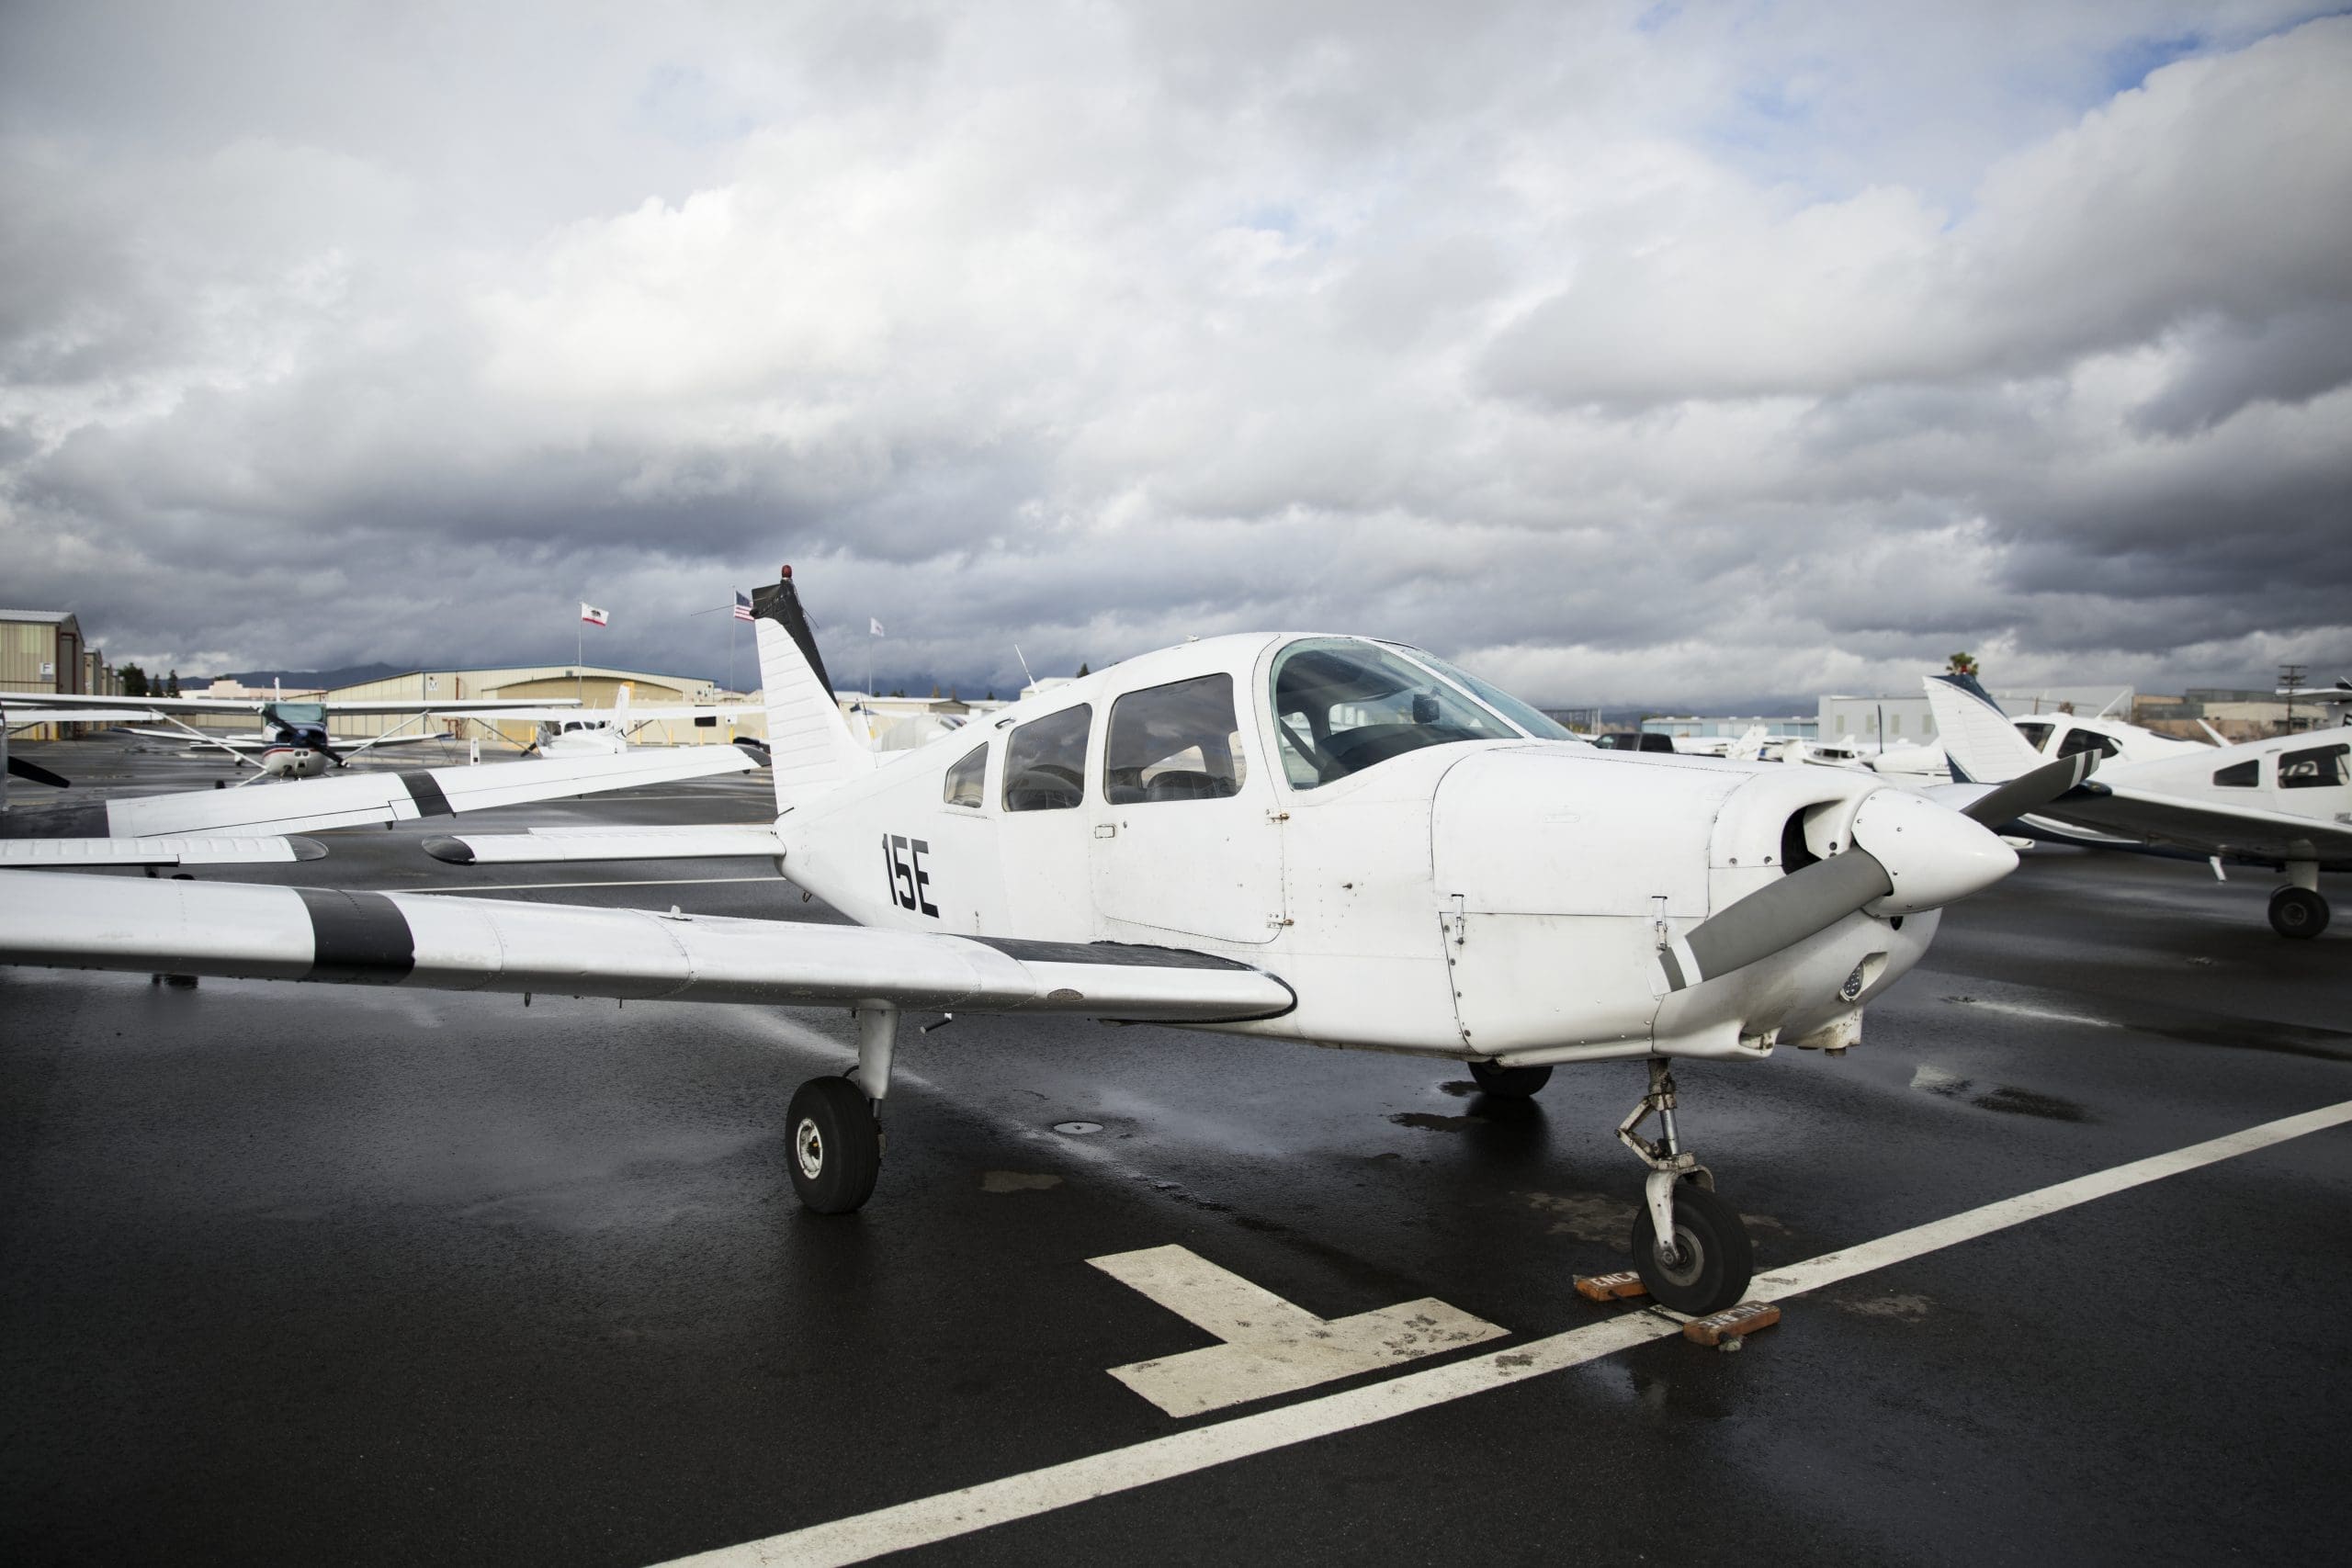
{"points": [[1174, 742], [2239, 775], [967, 781], [1045, 762], [2315, 769], [1342, 705], [2036, 735]]}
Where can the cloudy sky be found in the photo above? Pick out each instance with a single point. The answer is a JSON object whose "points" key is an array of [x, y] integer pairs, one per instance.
{"points": [[1622, 352]]}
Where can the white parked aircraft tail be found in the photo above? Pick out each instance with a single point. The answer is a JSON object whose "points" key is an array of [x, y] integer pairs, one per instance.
{"points": [[1980, 743], [811, 747]]}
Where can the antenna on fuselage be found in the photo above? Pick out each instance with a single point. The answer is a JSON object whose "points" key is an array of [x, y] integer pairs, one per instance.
{"points": [[1024, 665]]}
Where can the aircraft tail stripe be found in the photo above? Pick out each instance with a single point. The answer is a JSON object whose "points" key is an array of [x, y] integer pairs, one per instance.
{"points": [[357, 939], [426, 790]]}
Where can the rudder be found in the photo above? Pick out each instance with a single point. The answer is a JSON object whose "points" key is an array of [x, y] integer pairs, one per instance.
{"points": [[810, 749]]}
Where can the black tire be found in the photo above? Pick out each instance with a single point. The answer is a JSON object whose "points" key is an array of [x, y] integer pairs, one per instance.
{"points": [[2298, 912], [1715, 1263], [832, 1145], [1508, 1083]]}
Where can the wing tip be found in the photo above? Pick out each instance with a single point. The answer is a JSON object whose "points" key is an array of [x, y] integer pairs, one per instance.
{"points": [[457, 852]]}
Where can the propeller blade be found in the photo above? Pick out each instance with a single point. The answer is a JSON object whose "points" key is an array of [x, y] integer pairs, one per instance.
{"points": [[20, 768], [1908, 854], [1775, 916], [2030, 791]]}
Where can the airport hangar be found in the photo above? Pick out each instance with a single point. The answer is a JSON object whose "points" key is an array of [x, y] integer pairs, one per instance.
{"points": [[595, 686]]}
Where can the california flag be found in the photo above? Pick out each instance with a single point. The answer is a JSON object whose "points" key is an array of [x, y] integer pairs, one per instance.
{"points": [[592, 615]]}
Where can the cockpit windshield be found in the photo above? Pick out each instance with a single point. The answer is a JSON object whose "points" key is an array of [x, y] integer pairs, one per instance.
{"points": [[1342, 705], [298, 713]]}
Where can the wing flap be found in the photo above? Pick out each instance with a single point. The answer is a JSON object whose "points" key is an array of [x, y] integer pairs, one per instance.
{"points": [[443, 942], [79, 853], [548, 845]]}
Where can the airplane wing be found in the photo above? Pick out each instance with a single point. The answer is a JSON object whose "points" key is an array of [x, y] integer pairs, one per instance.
{"points": [[80, 715], [147, 707], [233, 742], [717, 841], [2209, 828], [440, 942], [77, 854], [356, 799]]}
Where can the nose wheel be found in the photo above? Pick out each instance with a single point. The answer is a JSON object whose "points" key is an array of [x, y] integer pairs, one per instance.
{"points": [[1689, 1246]]}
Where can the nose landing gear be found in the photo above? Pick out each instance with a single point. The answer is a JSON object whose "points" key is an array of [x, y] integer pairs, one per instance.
{"points": [[1689, 1246]]}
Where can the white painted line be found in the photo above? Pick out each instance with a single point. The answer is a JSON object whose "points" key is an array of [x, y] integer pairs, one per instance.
{"points": [[1270, 1345], [950, 1514], [535, 886], [2043, 1015]]}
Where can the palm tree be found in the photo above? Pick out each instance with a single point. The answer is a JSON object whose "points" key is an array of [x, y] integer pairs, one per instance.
{"points": [[1960, 664]]}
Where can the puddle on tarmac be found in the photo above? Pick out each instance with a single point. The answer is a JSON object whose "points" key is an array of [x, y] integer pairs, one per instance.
{"points": [[1016, 1181]]}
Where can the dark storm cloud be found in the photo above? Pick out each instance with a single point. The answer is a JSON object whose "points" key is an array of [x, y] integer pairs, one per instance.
{"points": [[1619, 350]]}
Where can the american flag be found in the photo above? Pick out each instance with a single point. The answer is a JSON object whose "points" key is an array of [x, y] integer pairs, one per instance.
{"points": [[742, 605]]}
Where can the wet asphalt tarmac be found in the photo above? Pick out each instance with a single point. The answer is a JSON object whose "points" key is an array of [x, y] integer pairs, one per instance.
{"points": [[296, 1275]]}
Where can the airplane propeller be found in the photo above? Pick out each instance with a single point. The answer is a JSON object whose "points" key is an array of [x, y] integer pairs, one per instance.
{"points": [[20, 768], [1907, 854]]}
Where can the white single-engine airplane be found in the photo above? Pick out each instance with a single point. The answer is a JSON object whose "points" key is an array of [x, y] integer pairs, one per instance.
{"points": [[573, 731], [227, 826], [1323, 839], [293, 742], [2285, 801]]}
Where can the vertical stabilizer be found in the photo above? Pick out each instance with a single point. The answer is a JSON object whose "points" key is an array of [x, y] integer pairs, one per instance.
{"points": [[810, 749], [1980, 742]]}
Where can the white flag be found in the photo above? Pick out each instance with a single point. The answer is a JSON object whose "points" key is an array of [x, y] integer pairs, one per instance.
{"points": [[875, 626], [592, 615]]}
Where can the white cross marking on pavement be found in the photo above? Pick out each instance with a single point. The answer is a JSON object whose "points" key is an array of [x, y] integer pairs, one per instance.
{"points": [[1271, 1347]]}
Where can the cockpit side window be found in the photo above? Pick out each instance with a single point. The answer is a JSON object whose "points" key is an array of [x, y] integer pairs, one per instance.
{"points": [[1174, 742], [2315, 769], [1342, 705], [1531, 720], [1045, 762], [967, 780]]}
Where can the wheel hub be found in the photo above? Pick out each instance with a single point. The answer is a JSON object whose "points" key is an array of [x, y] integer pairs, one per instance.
{"points": [[808, 1148], [1681, 1260]]}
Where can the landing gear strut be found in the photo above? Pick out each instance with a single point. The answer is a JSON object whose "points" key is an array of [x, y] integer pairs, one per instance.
{"points": [[833, 1130], [2298, 909], [1689, 1246]]}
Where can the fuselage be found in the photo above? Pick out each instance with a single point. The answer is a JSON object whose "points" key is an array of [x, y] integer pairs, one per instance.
{"points": [[1430, 864]]}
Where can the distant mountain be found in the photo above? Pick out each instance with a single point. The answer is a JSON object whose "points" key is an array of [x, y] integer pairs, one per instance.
{"points": [[301, 680]]}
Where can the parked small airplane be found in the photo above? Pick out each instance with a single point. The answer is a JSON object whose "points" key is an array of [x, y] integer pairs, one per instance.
{"points": [[293, 742], [574, 732], [221, 826], [2285, 801], [1330, 839]]}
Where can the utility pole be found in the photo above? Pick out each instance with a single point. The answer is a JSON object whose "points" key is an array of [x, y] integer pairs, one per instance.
{"points": [[2291, 676]]}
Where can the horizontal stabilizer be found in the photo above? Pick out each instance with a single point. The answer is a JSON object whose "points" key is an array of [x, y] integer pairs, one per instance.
{"points": [[246, 930], [719, 842], [81, 855], [358, 799]]}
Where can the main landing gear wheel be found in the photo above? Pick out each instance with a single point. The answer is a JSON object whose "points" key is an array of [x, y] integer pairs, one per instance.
{"points": [[2298, 912], [836, 1145], [1707, 1266], [1509, 1083]]}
